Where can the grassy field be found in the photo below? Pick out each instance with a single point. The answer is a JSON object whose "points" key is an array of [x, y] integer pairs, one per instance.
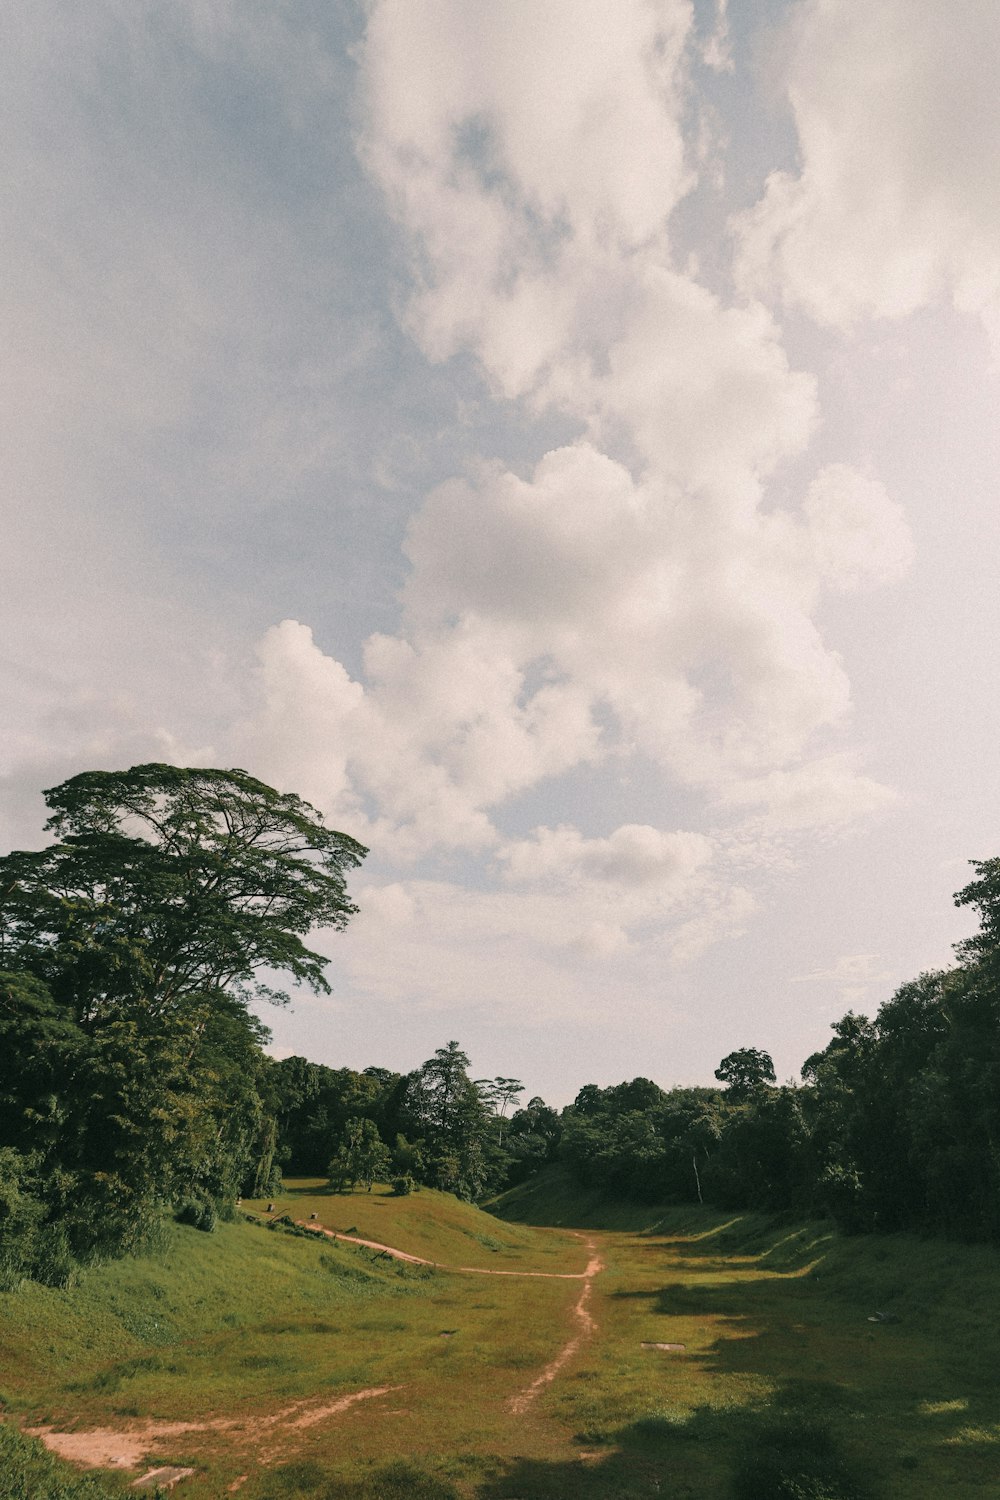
{"points": [[257, 1339]]}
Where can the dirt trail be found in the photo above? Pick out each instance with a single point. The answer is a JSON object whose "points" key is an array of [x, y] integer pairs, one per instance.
{"points": [[586, 1327], [128, 1446], [581, 1312], [125, 1448], [352, 1239], [418, 1260]]}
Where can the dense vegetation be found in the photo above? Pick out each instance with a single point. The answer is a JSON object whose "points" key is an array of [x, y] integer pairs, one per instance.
{"points": [[134, 1081], [896, 1124], [133, 1074]]}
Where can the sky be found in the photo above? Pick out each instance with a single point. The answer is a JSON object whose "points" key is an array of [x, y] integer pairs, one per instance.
{"points": [[558, 439]]}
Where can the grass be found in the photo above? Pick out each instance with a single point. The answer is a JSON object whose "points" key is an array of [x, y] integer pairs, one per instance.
{"points": [[434, 1225], [28, 1472], [783, 1387]]}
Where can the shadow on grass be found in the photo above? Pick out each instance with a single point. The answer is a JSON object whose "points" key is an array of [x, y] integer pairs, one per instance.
{"points": [[780, 1453], [791, 1450], [395, 1481]]}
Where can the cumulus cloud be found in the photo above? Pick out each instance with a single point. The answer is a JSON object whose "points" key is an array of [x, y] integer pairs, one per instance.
{"points": [[634, 569], [631, 596], [858, 533], [504, 139], [635, 856], [896, 202], [557, 621]]}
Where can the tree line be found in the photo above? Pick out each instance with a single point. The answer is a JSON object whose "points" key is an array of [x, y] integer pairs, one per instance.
{"points": [[134, 1080], [894, 1126]]}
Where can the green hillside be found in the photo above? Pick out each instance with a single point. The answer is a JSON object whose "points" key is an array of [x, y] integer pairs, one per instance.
{"points": [[710, 1357], [552, 1198]]}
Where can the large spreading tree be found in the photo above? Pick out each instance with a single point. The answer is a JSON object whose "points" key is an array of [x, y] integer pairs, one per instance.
{"points": [[132, 1073]]}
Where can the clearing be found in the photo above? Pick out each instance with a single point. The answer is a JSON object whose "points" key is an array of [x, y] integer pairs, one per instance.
{"points": [[418, 1347]]}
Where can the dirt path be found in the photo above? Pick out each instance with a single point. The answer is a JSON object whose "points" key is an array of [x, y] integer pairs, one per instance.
{"points": [[586, 1326], [352, 1239], [126, 1447], [418, 1260], [581, 1312]]}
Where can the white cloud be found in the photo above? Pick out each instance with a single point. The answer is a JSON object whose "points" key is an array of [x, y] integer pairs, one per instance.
{"points": [[635, 856], [505, 141], [704, 389], [555, 621], [858, 534], [827, 793], [308, 721], [897, 200], [539, 951], [659, 592], [855, 977]]}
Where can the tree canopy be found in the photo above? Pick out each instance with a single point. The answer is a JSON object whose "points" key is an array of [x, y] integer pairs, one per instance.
{"points": [[169, 882], [132, 1075]]}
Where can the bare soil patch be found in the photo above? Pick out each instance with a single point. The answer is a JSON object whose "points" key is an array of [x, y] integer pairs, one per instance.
{"points": [[126, 1447]]}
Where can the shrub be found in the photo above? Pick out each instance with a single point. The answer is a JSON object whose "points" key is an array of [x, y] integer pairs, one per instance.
{"points": [[200, 1213]]}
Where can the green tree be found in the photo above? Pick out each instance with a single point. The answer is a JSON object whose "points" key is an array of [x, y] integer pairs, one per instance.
{"points": [[168, 884], [133, 1075], [532, 1139], [362, 1156], [745, 1072], [498, 1094], [445, 1110]]}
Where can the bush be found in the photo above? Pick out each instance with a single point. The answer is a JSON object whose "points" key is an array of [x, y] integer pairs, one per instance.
{"points": [[402, 1185], [200, 1213]]}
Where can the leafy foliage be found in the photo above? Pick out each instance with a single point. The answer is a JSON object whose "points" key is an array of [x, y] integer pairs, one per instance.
{"points": [[168, 884], [361, 1157], [896, 1126], [132, 1074], [445, 1110], [745, 1073]]}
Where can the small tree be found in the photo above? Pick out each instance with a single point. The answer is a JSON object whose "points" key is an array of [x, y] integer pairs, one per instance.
{"points": [[499, 1094], [362, 1156]]}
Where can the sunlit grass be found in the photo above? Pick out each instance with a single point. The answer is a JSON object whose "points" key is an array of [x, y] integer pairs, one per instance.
{"points": [[773, 1316]]}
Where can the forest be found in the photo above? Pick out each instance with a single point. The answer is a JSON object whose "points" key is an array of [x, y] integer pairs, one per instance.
{"points": [[135, 1085]]}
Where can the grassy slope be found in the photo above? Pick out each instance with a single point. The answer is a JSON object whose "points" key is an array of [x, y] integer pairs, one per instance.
{"points": [[434, 1225], [773, 1316], [249, 1320], [552, 1198]]}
